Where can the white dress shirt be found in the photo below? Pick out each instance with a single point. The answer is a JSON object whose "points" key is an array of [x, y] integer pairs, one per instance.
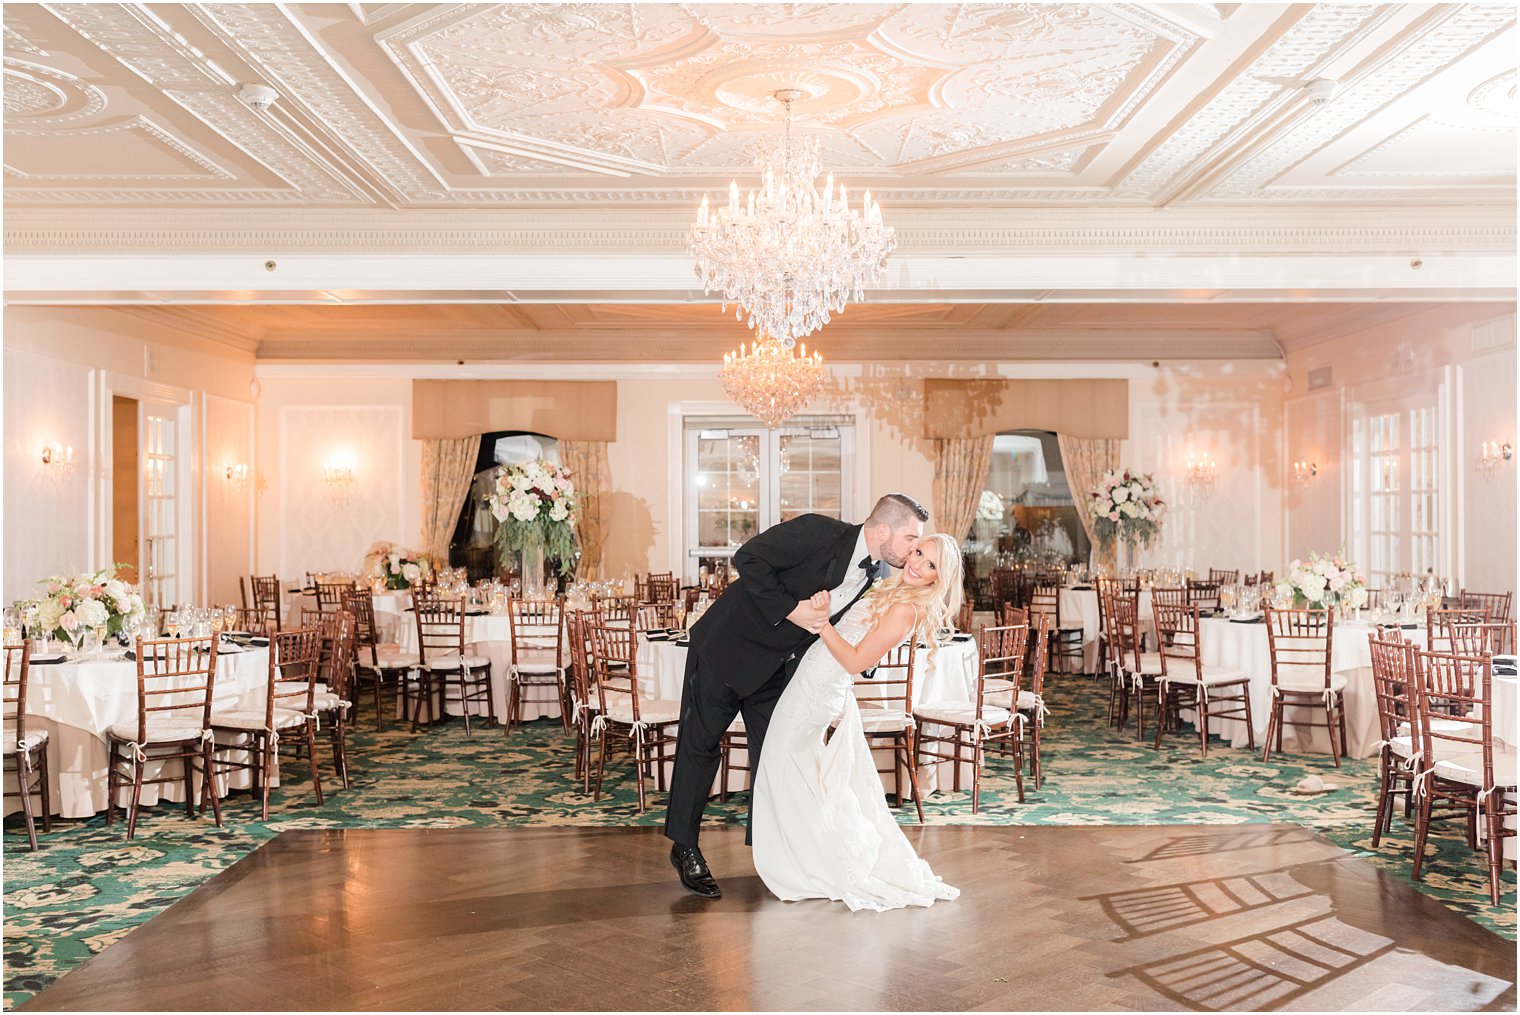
{"points": [[855, 577]]}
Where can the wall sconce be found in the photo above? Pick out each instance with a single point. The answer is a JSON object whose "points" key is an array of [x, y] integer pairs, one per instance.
{"points": [[237, 474], [338, 474], [1303, 472], [1202, 474], [1493, 455], [57, 460]]}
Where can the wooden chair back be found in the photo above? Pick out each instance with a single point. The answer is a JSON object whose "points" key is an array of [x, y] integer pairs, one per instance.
{"points": [[1001, 652], [890, 685], [1394, 673], [1039, 660], [1496, 603], [440, 626], [336, 658], [1005, 586], [295, 662], [661, 587], [175, 680], [614, 610], [18, 667], [1204, 595], [254, 620], [1299, 642], [1010, 615], [1179, 639], [577, 636], [964, 619], [538, 631], [615, 666], [361, 603], [1045, 600], [1223, 576], [1457, 689], [266, 596], [1171, 597], [1124, 630], [1495, 637], [330, 595], [1439, 624], [654, 616]]}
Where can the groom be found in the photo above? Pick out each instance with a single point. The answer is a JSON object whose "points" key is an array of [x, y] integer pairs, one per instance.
{"points": [[746, 646]]}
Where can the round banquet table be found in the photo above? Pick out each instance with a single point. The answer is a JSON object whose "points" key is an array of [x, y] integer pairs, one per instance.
{"points": [[77, 701], [390, 610], [949, 679], [1244, 646], [1080, 602], [490, 635]]}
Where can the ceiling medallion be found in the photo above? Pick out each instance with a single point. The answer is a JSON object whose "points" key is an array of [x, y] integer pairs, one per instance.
{"points": [[772, 381], [790, 256]]}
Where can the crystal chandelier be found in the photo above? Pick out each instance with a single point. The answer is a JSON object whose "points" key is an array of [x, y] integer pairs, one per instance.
{"points": [[790, 256], [771, 381]]}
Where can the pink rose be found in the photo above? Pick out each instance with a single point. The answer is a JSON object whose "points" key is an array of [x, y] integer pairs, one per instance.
{"points": [[1113, 516], [66, 602], [68, 621]]}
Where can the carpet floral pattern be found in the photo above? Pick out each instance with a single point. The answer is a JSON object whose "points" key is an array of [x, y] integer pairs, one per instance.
{"points": [[87, 886]]}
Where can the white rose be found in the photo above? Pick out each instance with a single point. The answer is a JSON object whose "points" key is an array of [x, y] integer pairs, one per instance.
{"points": [[559, 512], [92, 613], [1121, 494], [411, 572], [1129, 510], [1313, 587], [1356, 598]]}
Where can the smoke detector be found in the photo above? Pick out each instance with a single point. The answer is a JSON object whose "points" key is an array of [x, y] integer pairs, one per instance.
{"points": [[260, 97], [1322, 90]]}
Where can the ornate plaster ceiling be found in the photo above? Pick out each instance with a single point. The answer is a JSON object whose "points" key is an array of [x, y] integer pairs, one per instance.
{"points": [[422, 106]]}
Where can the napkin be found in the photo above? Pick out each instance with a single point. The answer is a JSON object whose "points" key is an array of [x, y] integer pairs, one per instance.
{"points": [[46, 660]]}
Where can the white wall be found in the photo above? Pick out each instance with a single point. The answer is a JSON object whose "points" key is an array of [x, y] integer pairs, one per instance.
{"points": [[1461, 357], [62, 366]]}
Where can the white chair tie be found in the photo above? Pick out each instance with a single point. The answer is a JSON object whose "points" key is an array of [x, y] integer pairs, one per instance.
{"points": [[138, 754], [636, 728], [1040, 709]]}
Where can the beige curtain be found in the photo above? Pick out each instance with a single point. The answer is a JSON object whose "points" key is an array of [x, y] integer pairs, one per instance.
{"points": [[960, 475], [1085, 461], [587, 462], [448, 468]]}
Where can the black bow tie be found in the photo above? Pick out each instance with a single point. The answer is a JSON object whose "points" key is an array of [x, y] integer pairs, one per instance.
{"points": [[865, 563]]}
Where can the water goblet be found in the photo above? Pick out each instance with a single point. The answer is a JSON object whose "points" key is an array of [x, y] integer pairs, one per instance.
{"points": [[171, 624]]}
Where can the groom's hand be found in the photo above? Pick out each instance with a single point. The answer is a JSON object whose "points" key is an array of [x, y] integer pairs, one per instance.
{"points": [[809, 615]]}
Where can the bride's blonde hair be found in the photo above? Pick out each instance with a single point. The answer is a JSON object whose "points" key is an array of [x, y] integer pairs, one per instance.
{"points": [[938, 604]]}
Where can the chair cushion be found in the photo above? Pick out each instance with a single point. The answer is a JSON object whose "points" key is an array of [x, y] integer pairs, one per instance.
{"points": [[884, 720], [1182, 673], [34, 739], [283, 687], [1150, 664], [450, 661], [1401, 747], [649, 711], [1310, 684], [963, 713], [1442, 726], [253, 719], [997, 685], [1467, 766], [394, 659], [163, 730], [1028, 701]]}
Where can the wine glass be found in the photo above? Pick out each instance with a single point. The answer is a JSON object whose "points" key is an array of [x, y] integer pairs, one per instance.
{"points": [[1227, 598], [944, 635], [12, 626], [679, 613], [171, 623]]}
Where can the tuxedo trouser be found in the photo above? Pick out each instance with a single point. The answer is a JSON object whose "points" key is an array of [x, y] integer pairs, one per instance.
{"points": [[708, 707]]}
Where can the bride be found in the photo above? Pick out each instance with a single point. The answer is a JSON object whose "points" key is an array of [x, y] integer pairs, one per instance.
{"points": [[820, 822]]}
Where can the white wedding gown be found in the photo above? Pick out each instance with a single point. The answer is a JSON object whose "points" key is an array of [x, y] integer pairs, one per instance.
{"points": [[821, 825]]}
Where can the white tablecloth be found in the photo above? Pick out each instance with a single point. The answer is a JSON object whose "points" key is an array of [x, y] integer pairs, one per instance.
{"points": [[76, 702], [950, 679], [1081, 604], [490, 635], [1244, 647]]}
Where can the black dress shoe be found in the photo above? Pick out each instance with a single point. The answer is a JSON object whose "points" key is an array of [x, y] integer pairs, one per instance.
{"points": [[689, 863]]}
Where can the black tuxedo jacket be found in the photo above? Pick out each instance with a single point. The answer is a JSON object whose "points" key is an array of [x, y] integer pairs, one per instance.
{"points": [[744, 638]]}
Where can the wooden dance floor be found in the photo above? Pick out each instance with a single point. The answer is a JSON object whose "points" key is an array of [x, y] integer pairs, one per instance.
{"points": [[1177, 917]]}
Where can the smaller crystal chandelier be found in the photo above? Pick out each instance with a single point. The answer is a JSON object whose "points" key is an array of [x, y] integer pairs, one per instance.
{"points": [[790, 255], [771, 381], [1492, 455], [1202, 473]]}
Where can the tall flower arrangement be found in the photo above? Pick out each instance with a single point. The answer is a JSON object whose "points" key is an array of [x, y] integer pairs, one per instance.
{"points": [[75, 605], [534, 502], [399, 566], [1323, 581], [1126, 508]]}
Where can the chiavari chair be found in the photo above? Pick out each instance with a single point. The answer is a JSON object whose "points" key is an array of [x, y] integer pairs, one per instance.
{"points": [[1374, 599], [1219, 692], [255, 620], [1224, 576], [962, 732], [1496, 603], [1491, 638], [1169, 596], [330, 595], [1106, 588], [583, 702], [1029, 725], [538, 655], [649, 726], [964, 619], [1439, 624], [175, 680], [266, 597], [335, 662], [1137, 673], [445, 662], [1300, 643], [1204, 595], [287, 714], [655, 616], [1065, 635], [25, 749], [1460, 759], [885, 700], [374, 662], [614, 610], [1010, 615], [1005, 586], [661, 587]]}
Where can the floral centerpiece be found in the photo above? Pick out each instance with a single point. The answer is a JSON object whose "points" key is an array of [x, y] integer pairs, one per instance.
{"points": [[1322, 582], [990, 507], [396, 564], [77, 605], [1126, 508], [534, 502]]}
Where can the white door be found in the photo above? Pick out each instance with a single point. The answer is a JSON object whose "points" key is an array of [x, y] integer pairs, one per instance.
{"points": [[158, 434]]}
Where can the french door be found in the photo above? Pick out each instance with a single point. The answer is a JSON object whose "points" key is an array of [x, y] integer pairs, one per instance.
{"points": [[1396, 491], [158, 500]]}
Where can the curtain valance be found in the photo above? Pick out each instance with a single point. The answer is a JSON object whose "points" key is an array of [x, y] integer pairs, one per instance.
{"points": [[568, 410], [1091, 408]]}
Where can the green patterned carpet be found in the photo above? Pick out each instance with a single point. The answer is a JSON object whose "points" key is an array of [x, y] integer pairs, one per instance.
{"points": [[87, 886]]}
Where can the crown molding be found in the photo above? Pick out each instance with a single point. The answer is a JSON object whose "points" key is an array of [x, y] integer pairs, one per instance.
{"points": [[1216, 229]]}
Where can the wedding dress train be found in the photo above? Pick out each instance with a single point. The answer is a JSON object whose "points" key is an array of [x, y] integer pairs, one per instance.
{"points": [[821, 825]]}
